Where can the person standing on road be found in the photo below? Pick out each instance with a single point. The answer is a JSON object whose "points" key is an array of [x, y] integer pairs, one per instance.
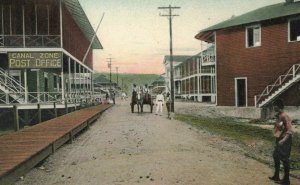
{"points": [[168, 104], [160, 100], [283, 143]]}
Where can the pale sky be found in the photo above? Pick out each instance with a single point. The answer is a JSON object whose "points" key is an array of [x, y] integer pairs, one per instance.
{"points": [[137, 38]]}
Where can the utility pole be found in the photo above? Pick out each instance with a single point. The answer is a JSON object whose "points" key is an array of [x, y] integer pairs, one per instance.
{"points": [[170, 16], [109, 66], [117, 68]]}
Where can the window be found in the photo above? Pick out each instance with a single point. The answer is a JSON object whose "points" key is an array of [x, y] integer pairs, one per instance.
{"points": [[253, 36], [294, 30], [55, 81]]}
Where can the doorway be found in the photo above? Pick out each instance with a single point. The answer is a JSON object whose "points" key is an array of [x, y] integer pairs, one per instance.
{"points": [[241, 92]]}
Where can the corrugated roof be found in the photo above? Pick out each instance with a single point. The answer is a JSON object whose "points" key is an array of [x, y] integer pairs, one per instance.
{"points": [[82, 21], [258, 15]]}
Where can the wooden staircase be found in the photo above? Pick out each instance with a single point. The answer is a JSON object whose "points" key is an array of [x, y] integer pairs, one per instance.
{"points": [[282, 83]]}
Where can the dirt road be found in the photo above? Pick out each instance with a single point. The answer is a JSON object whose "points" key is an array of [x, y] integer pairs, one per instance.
{"points": [[122, 148]]}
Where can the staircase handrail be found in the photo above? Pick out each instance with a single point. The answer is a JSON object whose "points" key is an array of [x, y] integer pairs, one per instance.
{"points": [[15, 85], [279, 81]]}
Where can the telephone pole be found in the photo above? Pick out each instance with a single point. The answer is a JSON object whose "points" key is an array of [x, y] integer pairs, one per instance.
{"points": [[109, 66], [170, 15], [117, 68]]}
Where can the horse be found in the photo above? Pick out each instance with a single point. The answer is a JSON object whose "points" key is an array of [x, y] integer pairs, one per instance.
{"points": [[147, 99], [137, 98]]}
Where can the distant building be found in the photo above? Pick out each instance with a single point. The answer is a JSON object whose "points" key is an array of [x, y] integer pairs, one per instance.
{"points": [[257, 56], [103, 85], [177, 59], [197, 77], [158, 85]]}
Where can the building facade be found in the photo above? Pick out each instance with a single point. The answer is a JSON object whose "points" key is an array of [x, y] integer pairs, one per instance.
{"points": [[44, 54], [197, 76], [257, 56]]}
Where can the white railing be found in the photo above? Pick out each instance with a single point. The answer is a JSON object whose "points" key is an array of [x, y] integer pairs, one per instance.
{"points": [[282, 79], [11, 86], [50, 97], [208, 58], [30, 41]]}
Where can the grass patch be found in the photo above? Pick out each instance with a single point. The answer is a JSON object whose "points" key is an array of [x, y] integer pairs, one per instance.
{"points": [[5, 131], [257, 141]]}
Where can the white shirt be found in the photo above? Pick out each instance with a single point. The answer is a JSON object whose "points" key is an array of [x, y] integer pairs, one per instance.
{"points": [[160, 98]]}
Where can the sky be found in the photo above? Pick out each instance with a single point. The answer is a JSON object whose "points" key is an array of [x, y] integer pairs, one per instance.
{"points": [[136, 37]]}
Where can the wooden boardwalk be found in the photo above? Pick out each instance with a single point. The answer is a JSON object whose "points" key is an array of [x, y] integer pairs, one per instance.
{"points": [[22, 150]]}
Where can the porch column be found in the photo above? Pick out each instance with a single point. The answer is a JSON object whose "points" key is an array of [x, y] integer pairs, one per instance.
{"points": [[75, 77], [25, 85], [92, 84], [23, 24], [38, 85], [80, 76], [62, 84], [198, 77], [69, 74], [61, 23]]}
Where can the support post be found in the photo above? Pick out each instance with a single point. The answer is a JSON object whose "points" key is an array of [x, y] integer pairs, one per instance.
{"points": [[66, 107], [25, 85], [69, 74], [39, 113], [55, 109], [16, 118], [62, 85]]}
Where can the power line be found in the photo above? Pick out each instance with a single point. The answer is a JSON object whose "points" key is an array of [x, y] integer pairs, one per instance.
{"points": [[170, 15]]}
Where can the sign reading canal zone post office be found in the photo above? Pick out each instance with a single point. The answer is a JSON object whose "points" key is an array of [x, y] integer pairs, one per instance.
{"points": [[25, 60]]}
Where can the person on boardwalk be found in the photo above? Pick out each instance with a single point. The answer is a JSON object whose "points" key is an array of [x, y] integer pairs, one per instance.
{"points": [[106, 96], [160, 100], [283, 143], [168, 104]]}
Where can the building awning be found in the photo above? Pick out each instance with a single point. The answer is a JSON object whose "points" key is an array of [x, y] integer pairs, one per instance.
{"points": [[82, 21]]}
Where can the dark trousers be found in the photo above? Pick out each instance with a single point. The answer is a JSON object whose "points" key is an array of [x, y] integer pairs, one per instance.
{"points": [[282, 153]]}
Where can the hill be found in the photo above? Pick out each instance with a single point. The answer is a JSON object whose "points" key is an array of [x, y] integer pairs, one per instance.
{"points": [[126, 81]]}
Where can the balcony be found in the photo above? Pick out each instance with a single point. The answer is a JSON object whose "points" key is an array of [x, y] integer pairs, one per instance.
{"points": [[30, 41], [208, 56]]}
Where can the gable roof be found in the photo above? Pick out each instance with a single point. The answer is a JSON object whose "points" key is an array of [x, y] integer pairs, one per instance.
{"points": [[82, 21], [176, 58], [258, 15]]}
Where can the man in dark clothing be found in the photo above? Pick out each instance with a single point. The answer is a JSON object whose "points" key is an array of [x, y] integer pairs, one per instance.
{"points": [[283, 143]]}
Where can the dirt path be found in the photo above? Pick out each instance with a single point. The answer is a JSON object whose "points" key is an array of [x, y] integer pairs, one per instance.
{"points": [[122, 148]]}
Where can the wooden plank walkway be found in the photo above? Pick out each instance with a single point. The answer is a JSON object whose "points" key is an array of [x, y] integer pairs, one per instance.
{"points": [[22, 150]]}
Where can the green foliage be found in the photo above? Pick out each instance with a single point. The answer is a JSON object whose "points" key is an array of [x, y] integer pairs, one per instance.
{"points": [[126, 81], [258, 141]]}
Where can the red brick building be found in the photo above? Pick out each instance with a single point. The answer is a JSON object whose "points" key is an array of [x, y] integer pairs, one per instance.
{"points": [[257, 56]]}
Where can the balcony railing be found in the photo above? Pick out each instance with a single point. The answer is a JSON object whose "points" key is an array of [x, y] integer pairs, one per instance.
{"points": [[30, 41]]}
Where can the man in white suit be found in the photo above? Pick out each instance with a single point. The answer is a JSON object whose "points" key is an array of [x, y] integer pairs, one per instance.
{"points": [[160, 100]]}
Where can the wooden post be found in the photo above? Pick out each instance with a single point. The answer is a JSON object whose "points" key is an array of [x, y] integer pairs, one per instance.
{"points": [[66, 107], [16, 118], [39, 113], [55, 109]]}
